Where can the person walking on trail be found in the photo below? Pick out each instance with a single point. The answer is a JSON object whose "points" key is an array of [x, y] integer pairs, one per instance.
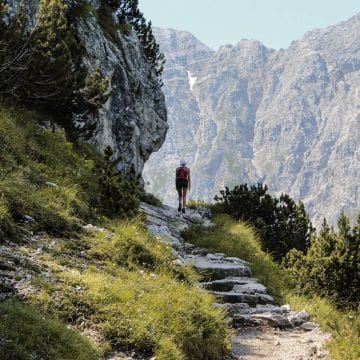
{"points": [[182, 183]]}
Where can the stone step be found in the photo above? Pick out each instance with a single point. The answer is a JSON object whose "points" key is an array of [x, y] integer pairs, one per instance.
{"points": [[240, 285], [245, 309], [273, 319], [228, 283], [217, 269], [240, 297]]}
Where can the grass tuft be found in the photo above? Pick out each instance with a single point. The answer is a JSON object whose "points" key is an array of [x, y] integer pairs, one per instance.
{"points": [[128, 286], [27, 334]]}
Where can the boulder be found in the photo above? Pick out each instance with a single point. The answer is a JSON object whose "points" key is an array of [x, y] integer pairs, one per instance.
{"points": [[299, 318], [274, 320]]}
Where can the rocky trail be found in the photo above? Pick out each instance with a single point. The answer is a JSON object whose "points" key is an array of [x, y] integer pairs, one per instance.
{"points": [[262, 329]]}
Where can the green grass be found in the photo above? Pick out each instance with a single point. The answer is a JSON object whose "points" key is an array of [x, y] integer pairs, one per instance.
{"points": [[42, 175], [27, 334], [239, 239], [135, 295], [116, 282]]}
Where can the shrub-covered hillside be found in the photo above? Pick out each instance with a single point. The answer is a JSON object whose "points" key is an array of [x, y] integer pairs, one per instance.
{"points": [[63, 254]]}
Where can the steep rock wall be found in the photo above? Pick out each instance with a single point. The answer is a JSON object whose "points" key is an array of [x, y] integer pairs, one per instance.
{"points": [[134, 120]]}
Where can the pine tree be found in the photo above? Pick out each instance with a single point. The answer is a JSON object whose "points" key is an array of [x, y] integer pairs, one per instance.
{"points": [[51, 72], [128, 13], [331, 266], [281, 223], [14, 54], [42, 65]]}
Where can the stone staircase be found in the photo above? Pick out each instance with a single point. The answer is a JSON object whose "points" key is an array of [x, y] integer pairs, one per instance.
{"points": [[245, 300], [229, 279]]}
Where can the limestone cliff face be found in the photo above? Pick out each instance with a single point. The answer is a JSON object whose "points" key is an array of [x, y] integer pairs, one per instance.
{"points": [[133, 121], [245, 113]]}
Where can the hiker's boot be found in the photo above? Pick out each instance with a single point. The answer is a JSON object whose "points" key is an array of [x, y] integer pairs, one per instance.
{"points": [[183, 210], [179, 208]]}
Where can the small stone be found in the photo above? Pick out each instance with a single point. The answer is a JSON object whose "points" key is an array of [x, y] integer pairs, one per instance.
{"points": [[212, 257], [309, 326], [28, 218], [177, 262], [286, 307]]}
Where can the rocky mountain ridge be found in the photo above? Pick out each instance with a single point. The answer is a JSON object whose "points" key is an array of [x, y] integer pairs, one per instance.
{"points": [[246, 113]]}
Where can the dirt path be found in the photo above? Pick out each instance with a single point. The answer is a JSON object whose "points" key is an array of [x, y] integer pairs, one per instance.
{"points": [[272, 344]]}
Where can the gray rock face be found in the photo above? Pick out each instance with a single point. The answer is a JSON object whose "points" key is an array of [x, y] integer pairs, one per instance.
{"points": [[133, 121], [245, 113]]}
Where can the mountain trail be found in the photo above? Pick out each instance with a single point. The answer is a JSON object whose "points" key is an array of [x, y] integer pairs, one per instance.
{"points": [[274, 344], [262, 329]]}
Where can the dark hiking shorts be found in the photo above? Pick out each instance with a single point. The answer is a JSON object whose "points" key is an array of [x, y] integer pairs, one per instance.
{"points": [[182, 183]]}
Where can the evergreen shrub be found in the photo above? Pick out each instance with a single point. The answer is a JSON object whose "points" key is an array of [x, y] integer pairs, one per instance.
{"points": [[281, 224], [331, 267]]}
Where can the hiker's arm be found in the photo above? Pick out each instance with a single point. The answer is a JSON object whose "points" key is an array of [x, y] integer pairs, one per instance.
{"points": [[176, 177]]}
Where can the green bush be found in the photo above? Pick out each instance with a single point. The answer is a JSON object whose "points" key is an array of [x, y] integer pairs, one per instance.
{"points": [[331, 266], [282, 224], [26, 334], [150, 199]]}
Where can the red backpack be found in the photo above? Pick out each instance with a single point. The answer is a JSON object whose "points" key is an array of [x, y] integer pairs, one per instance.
{"points": [[182, 173]]}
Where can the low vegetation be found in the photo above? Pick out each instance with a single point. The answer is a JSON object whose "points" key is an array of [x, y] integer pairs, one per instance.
{"points": [[126, 285], [292, 285], [49, 184], [25, 333], [111, 279], [280, 223]]}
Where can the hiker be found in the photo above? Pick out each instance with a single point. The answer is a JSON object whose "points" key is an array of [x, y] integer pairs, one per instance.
{"points": [[182, 183]]}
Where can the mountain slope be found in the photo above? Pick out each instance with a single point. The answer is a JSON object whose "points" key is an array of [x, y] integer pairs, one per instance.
{"points": [[108, 279], [289, 118]]}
